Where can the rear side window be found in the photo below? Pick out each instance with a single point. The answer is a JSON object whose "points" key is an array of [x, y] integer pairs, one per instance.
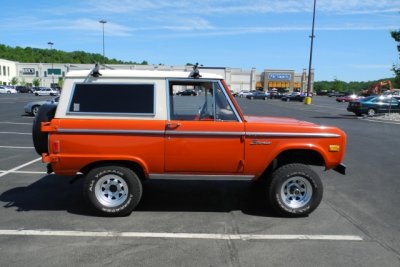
{"points": [[108, 98]]}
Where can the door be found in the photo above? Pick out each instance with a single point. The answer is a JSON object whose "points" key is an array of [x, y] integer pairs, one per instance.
{"points": [[204, 134]]}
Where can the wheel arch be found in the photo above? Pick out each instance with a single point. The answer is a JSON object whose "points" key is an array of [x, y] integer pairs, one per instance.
{"points": [[302, 156], [136, 167]]}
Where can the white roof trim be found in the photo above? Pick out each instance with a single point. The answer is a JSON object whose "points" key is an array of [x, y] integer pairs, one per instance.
{"points": [[139, 74]]}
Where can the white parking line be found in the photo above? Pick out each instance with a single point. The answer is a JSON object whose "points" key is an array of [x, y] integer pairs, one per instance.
{"points": [[24, 172], [15, 133], [19, 167], [9, 122], [180, 235], [18, 147]]}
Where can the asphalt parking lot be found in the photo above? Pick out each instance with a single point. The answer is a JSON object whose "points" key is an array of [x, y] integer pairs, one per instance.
{"points": [[44, 220]]}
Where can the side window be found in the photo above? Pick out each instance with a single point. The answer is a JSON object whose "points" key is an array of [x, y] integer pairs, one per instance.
{"points": [[199, 101], [223, 109], [132, 99]]}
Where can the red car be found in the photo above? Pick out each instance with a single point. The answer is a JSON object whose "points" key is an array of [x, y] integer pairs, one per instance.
{"points": [[347, 98]]}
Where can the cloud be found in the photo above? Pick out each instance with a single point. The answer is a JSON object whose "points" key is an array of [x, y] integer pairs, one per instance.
{"points": [[218, 7], [79, 24]]}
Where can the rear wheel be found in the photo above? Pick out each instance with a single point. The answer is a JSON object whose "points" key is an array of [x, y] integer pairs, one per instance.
{"points": [[371, 112], [113, 190], [295, 190]]}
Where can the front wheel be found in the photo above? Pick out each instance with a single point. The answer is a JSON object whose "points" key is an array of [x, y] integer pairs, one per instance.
{"points": [[113, 190], [35, 110], [295, 190]]}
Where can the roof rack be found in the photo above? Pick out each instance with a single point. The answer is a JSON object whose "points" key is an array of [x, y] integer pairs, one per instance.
{"points": [[195, 73], [96, 71]]}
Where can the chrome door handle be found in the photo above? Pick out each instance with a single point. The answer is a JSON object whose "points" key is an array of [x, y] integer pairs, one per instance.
{"points": [[173, 125]]}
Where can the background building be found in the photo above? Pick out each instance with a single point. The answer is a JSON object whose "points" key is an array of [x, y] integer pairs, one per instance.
{"points": [[51, 75], [7, 71]]}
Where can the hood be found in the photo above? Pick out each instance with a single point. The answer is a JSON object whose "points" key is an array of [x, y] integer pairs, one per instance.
{"points": [[277, 120]]}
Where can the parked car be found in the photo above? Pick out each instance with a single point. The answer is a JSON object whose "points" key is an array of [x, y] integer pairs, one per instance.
{"points": [[348, 98], [24, 89], [46, 91], [145, 133], [275, 94], [244, 93], [372, 105], [256, 95], [337, 94], [187, 92], [7, 90], [32, 108], [293, 97]]}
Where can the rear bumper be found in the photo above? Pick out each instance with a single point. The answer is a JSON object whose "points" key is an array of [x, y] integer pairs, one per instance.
{"points": [[341, 168]]}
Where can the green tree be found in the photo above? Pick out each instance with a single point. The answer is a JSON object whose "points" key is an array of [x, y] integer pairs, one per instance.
{"points": [[396, 67], [338, 86], [36, 82], [14, 81], [60, 82], [35, 55]]}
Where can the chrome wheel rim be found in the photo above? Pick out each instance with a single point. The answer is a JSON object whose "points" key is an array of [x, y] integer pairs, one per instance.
{"points": [[296, 192], [111, 190], [371, 112], [35, 110]]}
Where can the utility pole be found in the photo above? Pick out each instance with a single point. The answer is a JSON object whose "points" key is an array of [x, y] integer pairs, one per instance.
{"points": [[308, 98], [52, 64], [103, 22]]}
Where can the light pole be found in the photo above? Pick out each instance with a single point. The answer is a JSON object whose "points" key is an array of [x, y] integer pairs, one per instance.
{"points": [[308, 98], [52, 64], [103, 22]]}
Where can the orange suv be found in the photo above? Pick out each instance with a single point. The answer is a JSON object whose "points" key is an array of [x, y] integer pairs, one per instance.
{"points": [[121, 127]]}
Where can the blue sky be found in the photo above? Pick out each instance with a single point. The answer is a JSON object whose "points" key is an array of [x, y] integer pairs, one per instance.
{"points": [[352, 41]]}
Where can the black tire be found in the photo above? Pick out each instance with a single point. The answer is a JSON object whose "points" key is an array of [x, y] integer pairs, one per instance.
{"points": [[295, 190], [371, 112], [112, 190], [36, 94], [45, 114]]}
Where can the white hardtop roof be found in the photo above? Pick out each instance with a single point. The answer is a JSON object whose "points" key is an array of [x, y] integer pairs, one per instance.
{"points": [[140, 74]]}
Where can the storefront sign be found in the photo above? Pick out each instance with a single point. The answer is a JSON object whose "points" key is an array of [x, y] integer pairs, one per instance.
{"points": [[28, 71], [279, 76], [54, 71]]}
